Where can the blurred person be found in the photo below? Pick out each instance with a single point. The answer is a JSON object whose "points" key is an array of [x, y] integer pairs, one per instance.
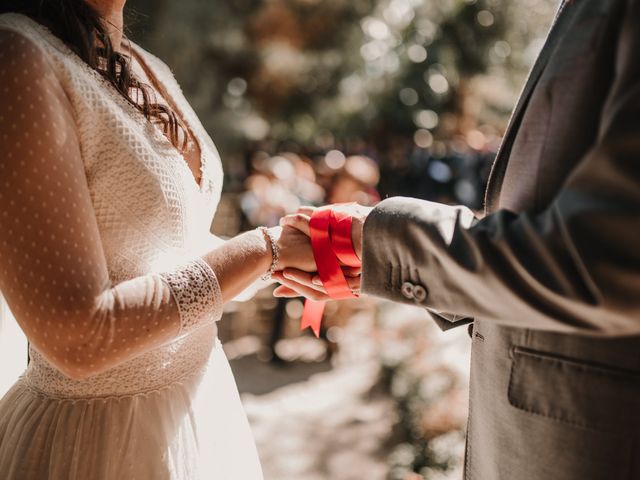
{"points": [[108, 185], [277, 187], [304, 183], [356, 181], [549, 278]]}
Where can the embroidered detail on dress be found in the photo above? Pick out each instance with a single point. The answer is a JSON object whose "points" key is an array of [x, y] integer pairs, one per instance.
{"points": [[196, 290], [150, 372]]}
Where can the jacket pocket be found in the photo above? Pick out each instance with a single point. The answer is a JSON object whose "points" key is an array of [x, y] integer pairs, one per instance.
{"points": [[573, 391]]}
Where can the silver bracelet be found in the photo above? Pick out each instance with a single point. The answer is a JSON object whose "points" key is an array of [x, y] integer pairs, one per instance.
{"points": [[275, 253]]}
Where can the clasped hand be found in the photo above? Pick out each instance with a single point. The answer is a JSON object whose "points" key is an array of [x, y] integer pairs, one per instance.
{"points": [[296, 281]]}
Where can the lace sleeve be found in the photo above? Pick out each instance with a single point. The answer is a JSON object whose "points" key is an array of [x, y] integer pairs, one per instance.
{"points": [[53, 271], [197, 293]]}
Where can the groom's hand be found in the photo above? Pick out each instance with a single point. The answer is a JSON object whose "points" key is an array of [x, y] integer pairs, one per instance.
{"points": [[297, 283], [358, 213]]}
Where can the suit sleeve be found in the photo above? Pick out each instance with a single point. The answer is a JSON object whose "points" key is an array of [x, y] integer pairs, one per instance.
{"points": [[572, 267]]}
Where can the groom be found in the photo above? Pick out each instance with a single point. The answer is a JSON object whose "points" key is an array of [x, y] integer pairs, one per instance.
{"points": [[550, 277]]}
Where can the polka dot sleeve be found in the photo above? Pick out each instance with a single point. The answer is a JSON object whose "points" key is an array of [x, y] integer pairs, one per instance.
{"points": [[53, 271]]}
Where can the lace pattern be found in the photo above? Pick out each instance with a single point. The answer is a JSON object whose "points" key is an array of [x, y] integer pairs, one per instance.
{"points": [[151, 372], [196, 290]]}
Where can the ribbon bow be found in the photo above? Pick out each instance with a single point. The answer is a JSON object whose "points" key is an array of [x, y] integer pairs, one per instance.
{"points": [[330, 232]]}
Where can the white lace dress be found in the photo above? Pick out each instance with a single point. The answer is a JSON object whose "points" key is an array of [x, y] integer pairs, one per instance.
{"points": [[101, 232]]}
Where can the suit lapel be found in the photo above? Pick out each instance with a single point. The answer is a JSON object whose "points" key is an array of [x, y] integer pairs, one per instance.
{"points": [[500, 164]]}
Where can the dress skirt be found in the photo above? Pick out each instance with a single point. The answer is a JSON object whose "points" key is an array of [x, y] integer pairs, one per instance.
{"points": [[192, 429]]}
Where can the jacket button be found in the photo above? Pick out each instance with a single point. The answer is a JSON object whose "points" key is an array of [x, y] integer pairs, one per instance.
{"points": [[407, 290], [419, 293]]}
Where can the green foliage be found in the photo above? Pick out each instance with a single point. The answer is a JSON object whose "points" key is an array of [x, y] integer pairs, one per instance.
{"points": [[296, 69]]}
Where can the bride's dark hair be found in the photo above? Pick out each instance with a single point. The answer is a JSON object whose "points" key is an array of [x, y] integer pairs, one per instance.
{"points": [[82, 28]]}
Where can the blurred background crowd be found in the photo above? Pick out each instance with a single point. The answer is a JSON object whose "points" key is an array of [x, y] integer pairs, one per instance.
{"points": [[323, 101]]}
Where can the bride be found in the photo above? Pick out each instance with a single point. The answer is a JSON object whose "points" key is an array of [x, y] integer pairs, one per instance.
{"points": [[108, 185]]}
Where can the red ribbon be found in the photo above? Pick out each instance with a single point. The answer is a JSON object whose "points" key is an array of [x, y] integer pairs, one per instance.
{"points": [[330, 232]]}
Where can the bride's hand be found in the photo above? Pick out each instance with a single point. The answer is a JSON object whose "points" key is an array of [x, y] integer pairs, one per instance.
{"points": [[294, 249]]}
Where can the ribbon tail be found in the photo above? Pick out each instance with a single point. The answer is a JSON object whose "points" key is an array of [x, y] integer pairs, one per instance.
{"points": [[312, 316]]}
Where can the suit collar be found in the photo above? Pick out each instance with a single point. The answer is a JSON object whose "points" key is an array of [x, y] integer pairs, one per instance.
{"points": [[500, 164]]}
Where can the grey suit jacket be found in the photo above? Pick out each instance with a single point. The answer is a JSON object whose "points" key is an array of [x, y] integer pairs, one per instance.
{"points": [[551, 275]]}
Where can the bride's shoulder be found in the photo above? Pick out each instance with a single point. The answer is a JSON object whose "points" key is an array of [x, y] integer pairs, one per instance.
{"points": [[13, 34], [24, 40], [22, 59]]}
